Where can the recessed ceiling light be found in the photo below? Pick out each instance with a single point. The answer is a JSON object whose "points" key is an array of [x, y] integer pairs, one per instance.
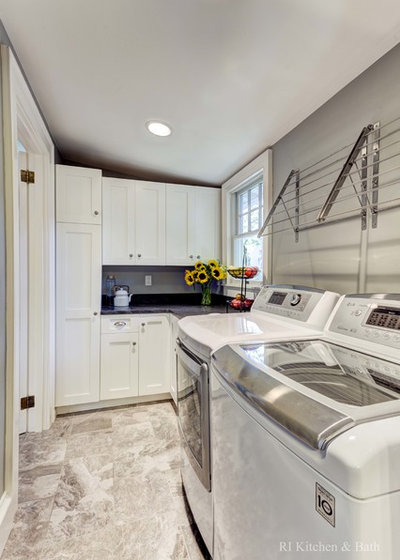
{"points": [[158, 128]]}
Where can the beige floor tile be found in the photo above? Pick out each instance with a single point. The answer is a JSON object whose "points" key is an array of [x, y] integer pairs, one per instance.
{"points": [[103, 485]]}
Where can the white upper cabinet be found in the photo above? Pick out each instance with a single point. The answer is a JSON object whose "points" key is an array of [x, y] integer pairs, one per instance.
{"points": [[180, 220], [149, 219], [78, 195], [147, 223], [208, 224], [193, 224], [133, 222], [118, 221]]}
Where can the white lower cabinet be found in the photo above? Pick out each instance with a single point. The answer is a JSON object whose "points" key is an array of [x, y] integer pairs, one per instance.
{"points": [[154, 351], [135, 356], [119, 366], [173, 378]]}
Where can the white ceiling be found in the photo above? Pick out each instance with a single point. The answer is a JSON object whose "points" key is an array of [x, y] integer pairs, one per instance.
{"points": [[230, 76]]}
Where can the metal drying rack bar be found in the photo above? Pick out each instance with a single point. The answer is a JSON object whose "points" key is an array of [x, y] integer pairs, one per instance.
{"points": [[350, 176]]}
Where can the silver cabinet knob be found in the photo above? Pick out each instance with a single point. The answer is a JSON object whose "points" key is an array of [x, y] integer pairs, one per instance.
{"points": [[143, 324], [96, 212], [133, 343], [95, 313], [190, 256], [130, 255], [139, 254], [198, 257]]}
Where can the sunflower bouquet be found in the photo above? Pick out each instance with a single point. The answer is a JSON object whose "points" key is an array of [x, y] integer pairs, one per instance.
{"points": [[204, 274]]}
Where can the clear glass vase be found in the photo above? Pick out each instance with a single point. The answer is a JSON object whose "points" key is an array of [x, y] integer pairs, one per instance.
{"points": [[206, 294]]}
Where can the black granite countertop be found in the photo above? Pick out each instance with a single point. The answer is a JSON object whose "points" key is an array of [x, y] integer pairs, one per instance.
{"points": [[180, 305], [177, 310]]}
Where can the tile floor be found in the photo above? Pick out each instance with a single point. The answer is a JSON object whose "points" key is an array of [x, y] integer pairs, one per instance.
{"points": [[103, 486]]}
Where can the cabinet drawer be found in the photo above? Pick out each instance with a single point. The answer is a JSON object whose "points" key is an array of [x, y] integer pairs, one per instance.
{"points": [[119, 323]]}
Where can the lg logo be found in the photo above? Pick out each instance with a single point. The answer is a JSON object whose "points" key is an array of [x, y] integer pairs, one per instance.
{"points": [[325, 504]]}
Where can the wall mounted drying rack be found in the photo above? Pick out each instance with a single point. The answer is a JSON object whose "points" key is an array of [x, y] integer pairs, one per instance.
{"points": [[352, 181]]}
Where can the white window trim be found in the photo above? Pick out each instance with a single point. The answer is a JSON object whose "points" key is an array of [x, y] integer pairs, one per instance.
{"points": [[260, 165], [248, 212]]}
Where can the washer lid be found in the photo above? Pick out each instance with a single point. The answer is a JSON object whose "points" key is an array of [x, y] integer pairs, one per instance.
{"points": [[314, 389], [214, 330]]}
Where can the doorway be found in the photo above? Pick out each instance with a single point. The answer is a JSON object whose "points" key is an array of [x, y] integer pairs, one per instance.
{"points": [[30, 313], [36, 268]]}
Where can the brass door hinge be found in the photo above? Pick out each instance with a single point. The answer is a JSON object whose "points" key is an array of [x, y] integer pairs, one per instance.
{"points": [[27, 402], [27, 176]]}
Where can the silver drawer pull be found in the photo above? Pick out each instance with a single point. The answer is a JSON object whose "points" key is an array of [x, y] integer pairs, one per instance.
{"points": [[120, 324], [154, 322]]}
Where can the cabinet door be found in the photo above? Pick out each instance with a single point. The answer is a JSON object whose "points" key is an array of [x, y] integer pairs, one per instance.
{"points": [[180, 224], [78, 313], [78, 195], [118, 221], [150, 223], [119, 366], [174, 336], [154, 361], [208, 223]]}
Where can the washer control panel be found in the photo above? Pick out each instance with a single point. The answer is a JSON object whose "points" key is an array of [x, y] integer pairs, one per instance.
{"points": [[292, 302], [376, 319], [295, 299]]}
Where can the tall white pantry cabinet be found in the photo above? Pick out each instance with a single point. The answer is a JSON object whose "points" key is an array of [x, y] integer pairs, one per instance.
{"points": [[78, 277]]}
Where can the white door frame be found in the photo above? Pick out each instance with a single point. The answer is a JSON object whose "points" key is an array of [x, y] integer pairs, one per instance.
{"points": [[21, 118], [23, 297]]}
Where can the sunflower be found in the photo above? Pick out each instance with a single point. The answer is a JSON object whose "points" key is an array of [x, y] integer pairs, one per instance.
{"points": [[195, 275], [217, 273], [189, 278], [199, 265], [202, 277], [213, 263]]}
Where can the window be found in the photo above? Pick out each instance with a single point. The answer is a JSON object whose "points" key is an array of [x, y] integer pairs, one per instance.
{"points": [[239, 217], [248, 216]]}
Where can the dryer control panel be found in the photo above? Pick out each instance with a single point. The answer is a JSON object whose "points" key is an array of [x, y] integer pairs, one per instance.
{"points": [[385, 317], [374, 318]]}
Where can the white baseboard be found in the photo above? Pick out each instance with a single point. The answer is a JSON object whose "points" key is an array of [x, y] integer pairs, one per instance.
{"points": [[114, 403], [8, 507]]}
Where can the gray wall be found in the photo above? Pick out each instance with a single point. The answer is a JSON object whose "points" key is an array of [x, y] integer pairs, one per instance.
{"points": [[2, 307], [331, 257], [4, 38], [165, 279]]}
